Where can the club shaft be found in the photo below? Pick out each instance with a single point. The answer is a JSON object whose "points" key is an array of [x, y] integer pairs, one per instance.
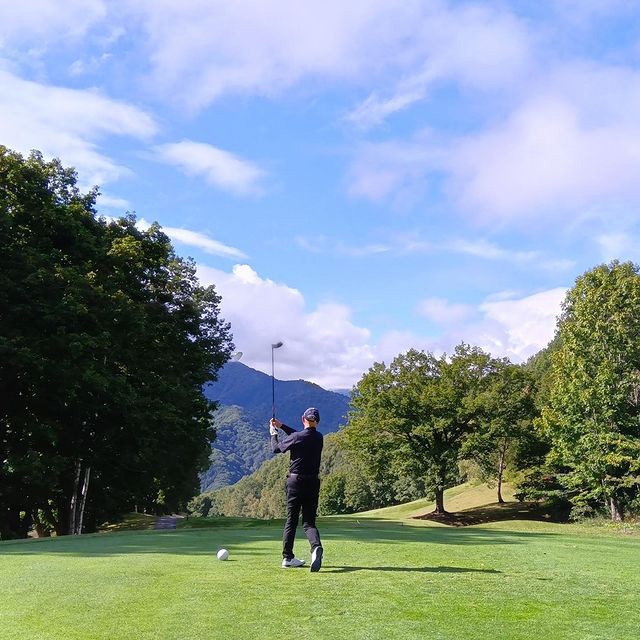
{"points": [[273, 386]]}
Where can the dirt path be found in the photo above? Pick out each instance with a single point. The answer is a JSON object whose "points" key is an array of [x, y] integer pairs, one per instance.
{"points": [[166, 522]]}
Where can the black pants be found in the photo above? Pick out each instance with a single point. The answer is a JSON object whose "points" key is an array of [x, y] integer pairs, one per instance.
{"points": [[302, 493]]}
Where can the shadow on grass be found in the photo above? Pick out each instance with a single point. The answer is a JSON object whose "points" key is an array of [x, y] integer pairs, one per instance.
{"points": [[410, 569], [206, 541], [498, 512]]}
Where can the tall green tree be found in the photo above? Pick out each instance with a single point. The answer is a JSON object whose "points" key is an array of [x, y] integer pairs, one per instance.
{"points": [[594, 411], [106, 339], [504, 414], [413, 415]]}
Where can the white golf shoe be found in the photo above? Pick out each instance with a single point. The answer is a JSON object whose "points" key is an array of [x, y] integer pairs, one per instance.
{"points": [[316, 559], [294, 563]]}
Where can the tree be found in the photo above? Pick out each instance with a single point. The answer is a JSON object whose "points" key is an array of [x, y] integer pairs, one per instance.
{"points": [[594, 412], [414, 414], [332, 498], [504, 413], [106, 341]]}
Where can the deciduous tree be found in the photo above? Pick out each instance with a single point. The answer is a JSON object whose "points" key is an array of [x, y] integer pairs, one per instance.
{"points": [[594, 412], [413, 414]]}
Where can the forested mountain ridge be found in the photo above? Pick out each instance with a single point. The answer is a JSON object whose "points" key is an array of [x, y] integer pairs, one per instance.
{"points": [[241, 421], [242, 386]]}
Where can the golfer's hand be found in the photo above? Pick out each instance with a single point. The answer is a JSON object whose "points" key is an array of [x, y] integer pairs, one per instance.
{"points": [[272, 430], [275, 423]]}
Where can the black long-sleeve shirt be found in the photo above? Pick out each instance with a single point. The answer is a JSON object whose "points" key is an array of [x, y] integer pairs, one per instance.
{"points": [[305, 447]]}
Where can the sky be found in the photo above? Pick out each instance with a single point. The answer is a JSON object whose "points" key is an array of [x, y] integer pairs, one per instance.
{"points": [[355, 178]]}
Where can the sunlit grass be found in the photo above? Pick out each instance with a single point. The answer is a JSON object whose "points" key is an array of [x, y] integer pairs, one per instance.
{"points": [[382, 578]]}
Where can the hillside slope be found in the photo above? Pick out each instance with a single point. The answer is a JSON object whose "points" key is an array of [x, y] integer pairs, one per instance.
{"points": [[240, 447], [241, 421], [459, 498]]}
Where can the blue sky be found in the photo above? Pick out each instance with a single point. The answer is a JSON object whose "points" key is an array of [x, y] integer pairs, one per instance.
{"points": [[355, 178]]}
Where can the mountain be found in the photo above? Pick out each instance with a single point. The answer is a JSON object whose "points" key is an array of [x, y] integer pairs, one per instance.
{"points": [[240, 447], [241, 421], [245, 387]]}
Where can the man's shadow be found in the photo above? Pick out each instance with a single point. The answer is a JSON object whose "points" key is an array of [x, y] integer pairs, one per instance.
{"points": [[411, 569]]}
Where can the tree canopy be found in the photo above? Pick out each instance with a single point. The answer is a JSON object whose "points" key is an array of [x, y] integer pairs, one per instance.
{"points": [[504, 412], [593, 416], [106, 341], [414, 414]]}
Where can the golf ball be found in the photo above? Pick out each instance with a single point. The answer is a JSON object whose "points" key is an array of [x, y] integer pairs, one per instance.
{"points": [[223, 554]]}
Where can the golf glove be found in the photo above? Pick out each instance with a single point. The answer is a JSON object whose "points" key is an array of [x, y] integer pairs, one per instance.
{"points": [[273, 430]]}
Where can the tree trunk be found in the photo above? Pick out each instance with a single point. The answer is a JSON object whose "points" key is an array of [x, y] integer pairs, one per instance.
{"points": [[440, 500], [617, 514], [74, 500], [501, 472], [85, 489]]}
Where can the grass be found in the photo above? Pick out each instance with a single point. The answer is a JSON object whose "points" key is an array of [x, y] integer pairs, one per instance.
{"points": [[131, 522], [386, 575]]}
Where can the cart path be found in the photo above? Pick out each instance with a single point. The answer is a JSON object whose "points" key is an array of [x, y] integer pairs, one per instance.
{"points": [[166, 522]]}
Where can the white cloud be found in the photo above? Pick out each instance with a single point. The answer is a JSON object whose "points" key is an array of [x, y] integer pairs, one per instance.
{"points": [[442, 311], [411, 243], [218, 167], [201, 50], [481, 248], [547, 158], [39, 22], [191, 238], [518, 328], [324, 244], [396, 169], [376, 108], [325, 346], [89, 65], [505, 326], [617, 246], [67, 123], [106, 201], [322, 345], [568, 144], [204, 242], [476, 46]]}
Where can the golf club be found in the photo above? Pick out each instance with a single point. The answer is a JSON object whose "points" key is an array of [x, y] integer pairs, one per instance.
{"points": [[275, 346]]}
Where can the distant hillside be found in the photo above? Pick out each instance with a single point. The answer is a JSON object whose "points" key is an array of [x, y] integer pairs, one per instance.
{"points": [[241, 422], [260, 495], [240, 447], [245, 387]]}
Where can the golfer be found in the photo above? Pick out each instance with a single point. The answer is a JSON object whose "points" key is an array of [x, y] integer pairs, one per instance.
{"points": [[303, 484]]}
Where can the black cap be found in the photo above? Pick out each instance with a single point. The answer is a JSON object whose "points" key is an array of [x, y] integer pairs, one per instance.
{"points": [[311, 414]]}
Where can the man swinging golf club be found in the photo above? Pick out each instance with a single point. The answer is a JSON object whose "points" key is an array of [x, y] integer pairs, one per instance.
{"points": [[303, 484]]}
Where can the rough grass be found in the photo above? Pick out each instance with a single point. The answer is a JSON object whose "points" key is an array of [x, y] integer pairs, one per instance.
{"points": [[131, 522], [384, 577], [464, 496]]}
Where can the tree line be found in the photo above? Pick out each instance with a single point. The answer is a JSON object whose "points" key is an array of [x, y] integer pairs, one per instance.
{"points": [[106, 340], [563, 427], [566, 425]]}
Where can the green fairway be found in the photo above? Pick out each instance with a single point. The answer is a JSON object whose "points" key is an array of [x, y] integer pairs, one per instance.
{"points": [[382, 578]]}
